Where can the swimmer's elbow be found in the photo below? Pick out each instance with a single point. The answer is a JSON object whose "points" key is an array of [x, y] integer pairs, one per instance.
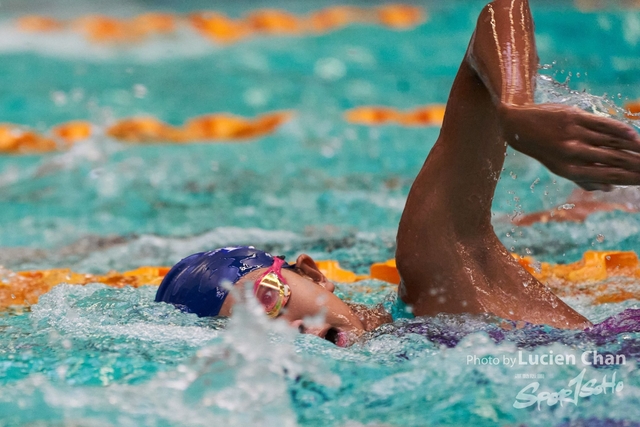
{"points": [[479, 55]]}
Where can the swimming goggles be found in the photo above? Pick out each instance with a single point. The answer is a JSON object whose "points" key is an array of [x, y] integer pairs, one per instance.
{"points": [[272, 290]]}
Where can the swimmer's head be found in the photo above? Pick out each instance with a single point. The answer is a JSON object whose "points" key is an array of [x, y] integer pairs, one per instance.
{"points": [[197, 285]]}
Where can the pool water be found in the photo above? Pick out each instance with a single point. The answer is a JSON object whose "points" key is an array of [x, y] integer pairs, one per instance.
{"points": [[97, 356]]}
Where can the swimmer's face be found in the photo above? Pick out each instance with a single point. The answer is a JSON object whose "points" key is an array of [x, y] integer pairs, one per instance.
{"points": [[311, 295]]}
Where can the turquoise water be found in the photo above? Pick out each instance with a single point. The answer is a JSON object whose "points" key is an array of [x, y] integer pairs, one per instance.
{"points": [[100, 356]]}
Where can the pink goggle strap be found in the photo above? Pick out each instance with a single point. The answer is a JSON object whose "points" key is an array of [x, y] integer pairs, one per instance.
{"points": [[275, 268]]}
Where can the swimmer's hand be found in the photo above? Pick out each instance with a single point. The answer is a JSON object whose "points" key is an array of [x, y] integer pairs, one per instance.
{"points": [[592, 151]]}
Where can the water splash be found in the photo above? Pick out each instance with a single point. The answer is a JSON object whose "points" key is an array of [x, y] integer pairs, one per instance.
{"points": [[549, 90]]}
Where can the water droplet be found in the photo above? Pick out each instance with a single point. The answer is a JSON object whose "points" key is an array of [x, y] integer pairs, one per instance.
{"points": [[513, 175], [533, 184], [330, 68], [59, 98], [566, 206], [600, 238], [537, 266]]}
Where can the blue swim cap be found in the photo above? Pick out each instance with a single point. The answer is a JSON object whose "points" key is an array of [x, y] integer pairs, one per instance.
{"points": [[194, 284]]}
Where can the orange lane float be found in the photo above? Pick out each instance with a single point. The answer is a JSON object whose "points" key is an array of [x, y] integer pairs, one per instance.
{"points": [[219, 27], [105, 29], [599, 275], [429, 115], [220, 127], [633, 110], [332, 270], [14, 139], [139, 130], [335, 17], [39, 24], [72, 132], [24, 288], [144, 130], [227, 127], [400, 16], [273, 21], [223, 29]]}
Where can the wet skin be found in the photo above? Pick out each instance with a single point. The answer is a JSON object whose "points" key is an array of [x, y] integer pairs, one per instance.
{"points": [[448, 256]]}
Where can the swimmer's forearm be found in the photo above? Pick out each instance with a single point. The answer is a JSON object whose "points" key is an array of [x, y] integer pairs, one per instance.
{"points": [[503, 51]]}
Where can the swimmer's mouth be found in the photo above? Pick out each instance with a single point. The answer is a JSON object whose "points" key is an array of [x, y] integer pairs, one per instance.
{"points": [[336, 337]]}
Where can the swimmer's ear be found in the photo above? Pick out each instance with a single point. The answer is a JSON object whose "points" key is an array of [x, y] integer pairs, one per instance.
{"points": [[308, 266]]}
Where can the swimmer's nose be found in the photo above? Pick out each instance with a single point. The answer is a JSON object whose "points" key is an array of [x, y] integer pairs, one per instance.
{"points": [[298, 325]]}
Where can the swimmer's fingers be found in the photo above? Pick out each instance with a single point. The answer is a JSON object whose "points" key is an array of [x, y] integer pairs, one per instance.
{"points": [[588, 155], [610, 133], [604, 140], [594, 175]]}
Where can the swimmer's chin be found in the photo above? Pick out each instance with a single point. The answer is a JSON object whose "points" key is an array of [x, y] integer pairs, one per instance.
{"points": [[370, 317]]}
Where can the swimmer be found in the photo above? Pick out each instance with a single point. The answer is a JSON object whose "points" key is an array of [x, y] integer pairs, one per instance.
{"points": [[448, 256]]}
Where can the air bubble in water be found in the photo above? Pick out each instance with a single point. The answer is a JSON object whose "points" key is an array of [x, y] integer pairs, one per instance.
{"points": [[600, 238], [139, 91], [59, 98]]}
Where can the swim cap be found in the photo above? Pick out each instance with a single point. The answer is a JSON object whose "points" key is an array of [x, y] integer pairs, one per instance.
{"points": [[195, 284]]}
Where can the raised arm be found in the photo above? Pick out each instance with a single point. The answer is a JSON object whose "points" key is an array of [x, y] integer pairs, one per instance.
{"points": [[592, 151], [503, 52], [448, 256]]}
